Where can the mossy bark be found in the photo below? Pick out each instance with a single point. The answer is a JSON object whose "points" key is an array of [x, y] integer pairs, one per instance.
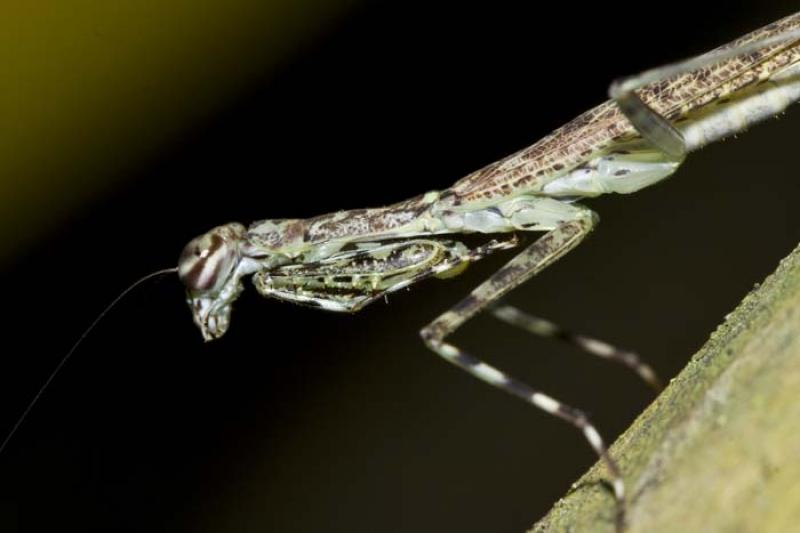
{"points": [[719, 449]]}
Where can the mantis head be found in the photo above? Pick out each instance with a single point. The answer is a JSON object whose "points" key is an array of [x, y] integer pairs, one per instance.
{"points": [[209, 268]]}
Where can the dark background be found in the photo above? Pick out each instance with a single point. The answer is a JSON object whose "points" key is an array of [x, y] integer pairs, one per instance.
{"points": [[298, 420]]}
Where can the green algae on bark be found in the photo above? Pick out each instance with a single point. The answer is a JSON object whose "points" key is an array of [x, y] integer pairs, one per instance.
{"points": [[719, 449]]}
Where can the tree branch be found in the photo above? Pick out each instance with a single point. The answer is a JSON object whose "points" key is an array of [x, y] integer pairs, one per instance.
{"points": [[719, 450]]}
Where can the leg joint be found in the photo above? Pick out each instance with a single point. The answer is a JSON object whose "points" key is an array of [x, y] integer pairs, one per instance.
{"points": [[430, 336]]}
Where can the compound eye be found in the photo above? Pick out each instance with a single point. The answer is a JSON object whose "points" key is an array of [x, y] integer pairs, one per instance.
{"points": [[204, 262]]}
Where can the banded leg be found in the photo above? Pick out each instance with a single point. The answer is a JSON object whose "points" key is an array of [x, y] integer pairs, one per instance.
{"points": [[544, 328], [528, 263]]}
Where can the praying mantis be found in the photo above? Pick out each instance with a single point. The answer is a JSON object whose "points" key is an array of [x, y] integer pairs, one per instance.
{"points": [[346, 260], [307, 274]]}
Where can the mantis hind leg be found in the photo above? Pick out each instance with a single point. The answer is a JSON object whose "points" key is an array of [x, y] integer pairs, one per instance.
{"points": [[544, 328], [525, 265]]}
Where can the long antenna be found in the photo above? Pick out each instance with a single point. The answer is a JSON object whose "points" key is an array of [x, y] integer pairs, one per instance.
{"points": [[86, 332]]}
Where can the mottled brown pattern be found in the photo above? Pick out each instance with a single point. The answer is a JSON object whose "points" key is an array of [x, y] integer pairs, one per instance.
{"points": [[595, 130], [291, 235], [525, 172], [364, 222]]}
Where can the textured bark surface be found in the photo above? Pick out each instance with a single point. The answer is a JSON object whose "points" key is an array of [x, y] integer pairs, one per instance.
{"points": [[719, 450]]}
